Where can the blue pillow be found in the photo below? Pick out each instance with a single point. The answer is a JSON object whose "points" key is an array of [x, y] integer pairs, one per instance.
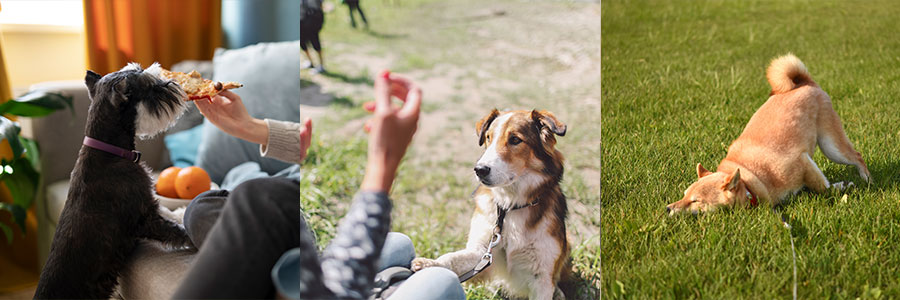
{"points": [[270, 73], [183, 146]]}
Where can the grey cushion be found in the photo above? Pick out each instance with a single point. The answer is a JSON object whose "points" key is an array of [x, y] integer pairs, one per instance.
{"points": [[270, 73]]}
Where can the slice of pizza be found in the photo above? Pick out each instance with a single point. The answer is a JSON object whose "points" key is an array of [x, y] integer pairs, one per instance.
{"points": [[197, 87]]}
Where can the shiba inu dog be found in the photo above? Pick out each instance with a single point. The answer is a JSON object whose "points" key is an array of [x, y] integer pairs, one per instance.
{"points": [[773, 156]]}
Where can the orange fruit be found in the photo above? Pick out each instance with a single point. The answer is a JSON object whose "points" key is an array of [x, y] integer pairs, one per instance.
{"points": [[165, 184], [191, 181]]}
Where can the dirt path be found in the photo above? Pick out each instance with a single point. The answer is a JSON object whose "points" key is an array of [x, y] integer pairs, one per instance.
{"points": [[524, 56]]}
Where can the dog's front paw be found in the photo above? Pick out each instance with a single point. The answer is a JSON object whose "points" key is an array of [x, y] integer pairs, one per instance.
{"points": [[420, 263]]}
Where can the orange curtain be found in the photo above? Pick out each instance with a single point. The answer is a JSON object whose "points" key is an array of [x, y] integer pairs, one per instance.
{"points": [[5, 89], [147, 31]]}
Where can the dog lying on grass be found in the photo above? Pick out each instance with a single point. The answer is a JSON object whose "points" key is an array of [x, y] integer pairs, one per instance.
{"points": [[773, 156], [110, 205]]}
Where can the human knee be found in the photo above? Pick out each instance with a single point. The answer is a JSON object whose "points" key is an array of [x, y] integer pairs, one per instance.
{"points": [[398, 251], [430, 283], [266, 193], [400, 242], [440, 276], [201, 213]]}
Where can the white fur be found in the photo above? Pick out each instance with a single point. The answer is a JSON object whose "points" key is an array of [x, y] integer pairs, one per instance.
{"points": [[531, 257], [783, 70], [530, 254], [500, 174], [131, 66], [147, 125], [155, 69], [524, 261], [516, 193]]}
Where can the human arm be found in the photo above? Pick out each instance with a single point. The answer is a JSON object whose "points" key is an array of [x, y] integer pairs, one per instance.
{"points": [[392, 130], [349, 262], [286, 141]]}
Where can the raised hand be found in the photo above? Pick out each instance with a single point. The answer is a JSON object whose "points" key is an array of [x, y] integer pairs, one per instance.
{"points": [[392, 129]]}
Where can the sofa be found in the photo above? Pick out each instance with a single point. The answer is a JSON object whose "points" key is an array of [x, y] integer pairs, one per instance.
{"points": [[154, 272]]}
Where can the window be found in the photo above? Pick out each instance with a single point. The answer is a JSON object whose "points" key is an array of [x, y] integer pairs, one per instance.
{"points": [[42, 14]]}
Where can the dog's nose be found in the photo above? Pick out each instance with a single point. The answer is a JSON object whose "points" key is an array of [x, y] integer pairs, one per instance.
{"points": [[668, 209], [482, 171]]}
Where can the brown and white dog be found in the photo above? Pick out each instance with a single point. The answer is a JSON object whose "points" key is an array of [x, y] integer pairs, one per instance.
{"points": [[773, 156], [520, 172]]}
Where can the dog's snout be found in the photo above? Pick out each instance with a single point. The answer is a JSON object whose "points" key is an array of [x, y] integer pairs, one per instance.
{"points": [[482, 171], [668, 209]]}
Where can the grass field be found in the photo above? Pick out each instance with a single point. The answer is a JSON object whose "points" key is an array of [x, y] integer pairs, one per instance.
{"points": [[469, 56], [680, 81]]}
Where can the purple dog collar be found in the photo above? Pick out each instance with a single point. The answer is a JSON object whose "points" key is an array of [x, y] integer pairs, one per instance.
{"points": [[132, 155]]}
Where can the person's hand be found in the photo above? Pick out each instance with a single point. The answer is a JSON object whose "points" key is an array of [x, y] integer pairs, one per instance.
{"points": [[392, 129], [227, 111], [305, 137]]}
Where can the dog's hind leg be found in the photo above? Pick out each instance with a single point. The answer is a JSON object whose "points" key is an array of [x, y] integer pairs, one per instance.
{"points": [[834, 142], [158, 228], [85, 260]]}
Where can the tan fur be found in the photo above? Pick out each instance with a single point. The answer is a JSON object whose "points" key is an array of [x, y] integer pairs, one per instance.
{"points": [[533, 251], [773, 156], [787, 73]]}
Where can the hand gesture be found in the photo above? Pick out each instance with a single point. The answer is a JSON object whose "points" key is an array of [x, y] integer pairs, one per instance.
{"points": [[392, 129]]}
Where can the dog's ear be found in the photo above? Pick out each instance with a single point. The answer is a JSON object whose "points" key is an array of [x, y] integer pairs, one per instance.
{"points": [[731, 182], [701, 171], [549, 121], [482, 126], [547, 125], [90, 79]]}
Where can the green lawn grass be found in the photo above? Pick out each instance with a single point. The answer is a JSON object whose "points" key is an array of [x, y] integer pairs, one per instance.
{"points": [[429, 39], [680, 81]]}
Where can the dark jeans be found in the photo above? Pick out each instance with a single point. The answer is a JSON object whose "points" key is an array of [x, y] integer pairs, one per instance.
{"points": [[240, 234]]}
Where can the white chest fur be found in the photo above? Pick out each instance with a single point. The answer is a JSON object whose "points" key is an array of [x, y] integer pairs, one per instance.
{"points": [[525, 252]]}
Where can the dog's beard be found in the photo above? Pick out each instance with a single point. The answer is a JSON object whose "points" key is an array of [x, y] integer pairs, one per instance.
{"points": [[153, 121], [157, 115]]}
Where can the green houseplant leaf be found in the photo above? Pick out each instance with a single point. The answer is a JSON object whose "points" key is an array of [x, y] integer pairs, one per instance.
{"points": [[21, 179], [18, 214], [10, 132], [32, 152], [37, 104], [20, 172]]}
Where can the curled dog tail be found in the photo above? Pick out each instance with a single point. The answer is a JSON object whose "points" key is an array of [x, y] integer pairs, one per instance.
{"points": [[787, 73]]}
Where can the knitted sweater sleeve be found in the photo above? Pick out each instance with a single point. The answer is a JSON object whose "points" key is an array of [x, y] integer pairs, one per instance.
{"points": [[284, 141]]}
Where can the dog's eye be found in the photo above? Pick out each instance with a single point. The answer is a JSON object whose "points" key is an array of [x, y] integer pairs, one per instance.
{"points": [[514, 140]]}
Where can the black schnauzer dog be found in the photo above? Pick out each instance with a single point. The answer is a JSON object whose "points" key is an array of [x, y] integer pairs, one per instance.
{"points": [[110, 205]]}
